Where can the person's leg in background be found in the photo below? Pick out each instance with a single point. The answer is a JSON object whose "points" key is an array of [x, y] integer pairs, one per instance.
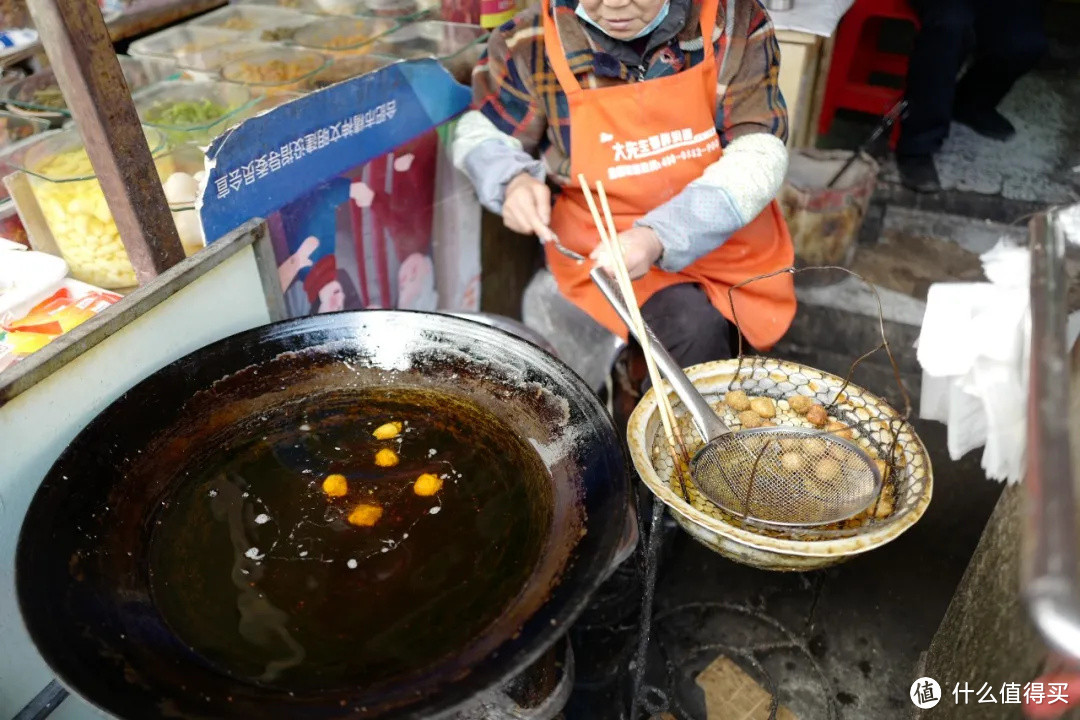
{"points": [[1010, 42], [941, 46], [687, 325]]}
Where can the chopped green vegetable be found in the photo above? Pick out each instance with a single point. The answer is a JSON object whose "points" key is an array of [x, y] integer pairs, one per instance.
{"points": [[185, 113], [280, 34], [49, 97]]}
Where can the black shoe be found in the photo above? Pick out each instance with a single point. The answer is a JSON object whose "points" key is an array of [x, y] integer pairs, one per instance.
{"points": [[988, 123], [918, 173]]}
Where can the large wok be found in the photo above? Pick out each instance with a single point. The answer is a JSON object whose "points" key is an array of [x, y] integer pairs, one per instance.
{"points": [[82, 563]]}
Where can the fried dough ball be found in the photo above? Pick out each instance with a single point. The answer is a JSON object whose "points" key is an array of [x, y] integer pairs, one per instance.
{"points": [[750, 420], [840, 430], [335, 485], [737, 400], [828, 470], [886, 505], [764, 407], [812, 446], [365, 515], [386, 458], [800, 404], [427, 485], [817, 416], [387, 431], [792, 462]]}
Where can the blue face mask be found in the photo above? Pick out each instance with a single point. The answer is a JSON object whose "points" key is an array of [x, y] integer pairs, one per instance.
{"points": [[644, 31]]}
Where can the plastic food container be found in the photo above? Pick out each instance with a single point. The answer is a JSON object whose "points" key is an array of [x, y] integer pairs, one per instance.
{"points": [[74, 206], [456, 45], [311, 7], [39, 94], [16, 133], [191, 112], [276, 70], [401, 10], [347, 68], [11, 227], [14, 128], [199, 53], [183, 171], [255, 22], [342, 37]]}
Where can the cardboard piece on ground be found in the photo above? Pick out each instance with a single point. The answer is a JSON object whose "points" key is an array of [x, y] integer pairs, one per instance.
{"points": [[731, 694]]}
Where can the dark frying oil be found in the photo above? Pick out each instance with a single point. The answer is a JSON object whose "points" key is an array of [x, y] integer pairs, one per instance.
{"points": [[256, 569]]}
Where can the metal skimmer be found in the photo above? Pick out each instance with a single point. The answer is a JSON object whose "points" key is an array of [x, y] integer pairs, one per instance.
{"points": [[770, 475]]}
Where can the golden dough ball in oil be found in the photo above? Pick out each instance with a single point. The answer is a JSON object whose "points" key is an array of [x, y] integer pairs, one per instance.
{"points": [[764, 407], [737, 400], [387, 431], [840, 430], [750, 420], [427, 485], [335, 485], [365, 515], [792, 462], [817, 416], [386, 458], [884, 508], [800, 404], [828, 470], [768, 423]]}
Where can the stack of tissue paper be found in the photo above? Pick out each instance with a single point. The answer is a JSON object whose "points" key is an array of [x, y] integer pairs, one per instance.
{"points": [[973, 350]]}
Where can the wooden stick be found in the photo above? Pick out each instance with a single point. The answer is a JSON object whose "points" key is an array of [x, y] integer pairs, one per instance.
{"points": [[609, 238], [663, 400]]}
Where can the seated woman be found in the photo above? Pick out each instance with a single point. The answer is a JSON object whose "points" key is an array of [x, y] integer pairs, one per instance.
{"points": [[689, 144]]}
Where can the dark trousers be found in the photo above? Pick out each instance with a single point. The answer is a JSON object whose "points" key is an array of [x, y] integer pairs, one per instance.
{"points": [[1007, 38], [688, 326]]}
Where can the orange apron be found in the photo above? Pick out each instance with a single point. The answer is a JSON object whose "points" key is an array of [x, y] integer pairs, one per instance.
{"points": [[646, 141]]}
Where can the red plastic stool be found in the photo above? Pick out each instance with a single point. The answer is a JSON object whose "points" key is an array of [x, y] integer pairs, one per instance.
{"points": [[856, 58]]}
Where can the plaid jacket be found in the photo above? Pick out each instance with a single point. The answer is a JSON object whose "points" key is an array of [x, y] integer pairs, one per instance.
{"points": [[515, 87]]}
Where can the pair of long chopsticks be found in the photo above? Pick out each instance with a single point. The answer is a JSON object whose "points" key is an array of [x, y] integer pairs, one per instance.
{"points": [[609, 237]]}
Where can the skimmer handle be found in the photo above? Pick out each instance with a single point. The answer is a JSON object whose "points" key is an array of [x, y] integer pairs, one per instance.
{"points": [[708, 424]]}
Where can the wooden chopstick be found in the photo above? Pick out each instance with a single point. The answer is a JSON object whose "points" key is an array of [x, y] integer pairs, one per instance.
{"points": [[609, 237]]}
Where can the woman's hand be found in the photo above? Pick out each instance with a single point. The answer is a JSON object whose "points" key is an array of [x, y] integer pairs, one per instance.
{"points": [[527, 206], [641, 249]]}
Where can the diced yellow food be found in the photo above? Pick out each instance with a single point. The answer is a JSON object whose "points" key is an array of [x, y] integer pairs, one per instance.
{"points": [[365, 515], [387, 431], [335, 485], [386, 458], [427, 485]]}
